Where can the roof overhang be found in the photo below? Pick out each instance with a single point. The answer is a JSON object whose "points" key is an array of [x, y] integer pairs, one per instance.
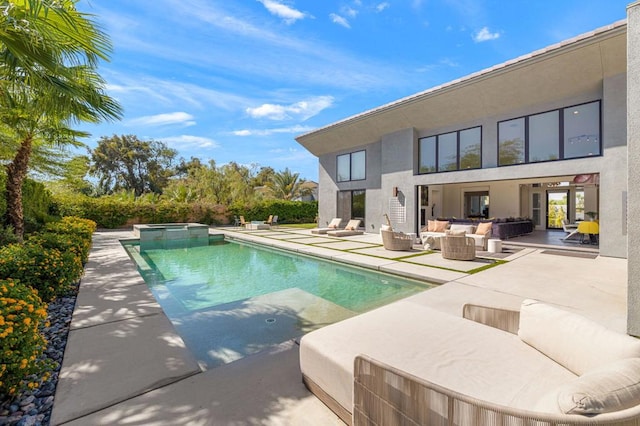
{"points": [[570, 68]]}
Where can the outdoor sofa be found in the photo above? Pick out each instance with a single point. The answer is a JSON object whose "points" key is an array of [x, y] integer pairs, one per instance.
{"points": [[407, 363], [480, 232]]}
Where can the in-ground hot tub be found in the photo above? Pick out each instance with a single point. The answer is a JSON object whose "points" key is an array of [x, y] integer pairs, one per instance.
{"points": [[159, 232]]}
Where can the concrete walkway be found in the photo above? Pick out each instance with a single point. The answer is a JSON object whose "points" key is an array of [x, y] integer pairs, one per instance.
{"points": [[125, 365]]}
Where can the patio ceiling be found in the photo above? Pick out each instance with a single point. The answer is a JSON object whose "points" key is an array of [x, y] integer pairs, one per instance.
{"points": [[563, 70]]}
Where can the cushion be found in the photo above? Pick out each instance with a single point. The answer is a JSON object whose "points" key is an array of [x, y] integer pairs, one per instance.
{"points": [[441, 225], [431, 226], [468, 229], [573, 341], [612, 387], [455, 232], [483, 228], [335, 222]]}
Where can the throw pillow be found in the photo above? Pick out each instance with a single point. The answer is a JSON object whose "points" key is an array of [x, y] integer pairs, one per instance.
{"points": [[455, 232], [441, 225], [612, 387], [431, 226], [483, 228]]}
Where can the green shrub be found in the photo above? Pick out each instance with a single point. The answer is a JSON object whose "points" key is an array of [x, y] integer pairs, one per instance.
{"points": [[22, 313], [50, 271], [287, 211], [7, 236], [118, 211]]}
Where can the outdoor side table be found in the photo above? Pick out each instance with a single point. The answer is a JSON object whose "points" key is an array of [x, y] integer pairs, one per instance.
{"points": [[494, 245]]}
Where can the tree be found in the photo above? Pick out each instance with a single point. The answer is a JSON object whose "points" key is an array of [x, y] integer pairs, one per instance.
{"points": [[48, 57], [286, 185], [127, 163]]}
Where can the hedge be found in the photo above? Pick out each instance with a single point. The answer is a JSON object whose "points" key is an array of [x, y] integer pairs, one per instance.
{"points": [[116, 212]]}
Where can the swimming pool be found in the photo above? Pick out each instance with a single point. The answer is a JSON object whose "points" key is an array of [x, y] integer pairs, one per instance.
{"points": [[228, 300]]}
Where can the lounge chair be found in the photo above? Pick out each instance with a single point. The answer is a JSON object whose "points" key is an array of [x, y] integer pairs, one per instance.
{"points": [[458, 247], [392, 240], [350, 229], [570, 228], [274, 221], [243, 223], [397, 241], [333, 225], [269, 220]]}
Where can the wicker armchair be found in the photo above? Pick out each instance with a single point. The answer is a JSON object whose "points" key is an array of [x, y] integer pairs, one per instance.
{"points": [[458, 247], [396, 240]]}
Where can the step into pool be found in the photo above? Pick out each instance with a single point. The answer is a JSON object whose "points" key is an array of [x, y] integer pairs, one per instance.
{"points": [[229, 299]]}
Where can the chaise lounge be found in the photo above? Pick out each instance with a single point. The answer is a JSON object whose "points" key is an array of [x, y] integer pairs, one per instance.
{"points": [[332, 226], [350, 229], [407, 363]]}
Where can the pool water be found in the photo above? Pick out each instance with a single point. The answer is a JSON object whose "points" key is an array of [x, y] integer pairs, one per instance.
{"points": [[228, 300]]}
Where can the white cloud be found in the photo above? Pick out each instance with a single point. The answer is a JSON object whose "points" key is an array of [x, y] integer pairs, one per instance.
{"points": [[302, 110], [485, 35], [181, 118], [382, 6], [349, 11], [268, 132], [283, 11], [337, 19], [186, 141]]}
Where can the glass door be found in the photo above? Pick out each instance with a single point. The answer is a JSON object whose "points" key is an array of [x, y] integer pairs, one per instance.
{"points": [[557, 208]]}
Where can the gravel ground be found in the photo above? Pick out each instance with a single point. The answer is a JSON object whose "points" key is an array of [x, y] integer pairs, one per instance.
{"points": [[33, 407]]}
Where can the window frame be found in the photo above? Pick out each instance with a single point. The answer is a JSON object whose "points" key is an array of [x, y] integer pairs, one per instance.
{"points": [[561, 134], [350, 156], [437, 151]]}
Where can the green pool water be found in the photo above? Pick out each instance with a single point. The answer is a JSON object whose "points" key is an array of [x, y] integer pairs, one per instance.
{"points": [[229, 299]]}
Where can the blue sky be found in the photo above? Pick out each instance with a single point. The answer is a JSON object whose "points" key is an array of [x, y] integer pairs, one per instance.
{"points": [[239, 80]]}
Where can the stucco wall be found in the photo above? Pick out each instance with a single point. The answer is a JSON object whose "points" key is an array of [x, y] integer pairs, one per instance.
{"points": [[328, 187], [633, 148], [613, 241]]}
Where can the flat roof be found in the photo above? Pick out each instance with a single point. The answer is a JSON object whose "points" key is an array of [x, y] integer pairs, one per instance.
{"points": [[569, 68]]}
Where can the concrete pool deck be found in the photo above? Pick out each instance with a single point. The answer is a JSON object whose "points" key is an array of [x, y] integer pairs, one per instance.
{"points": [[125, 364]]}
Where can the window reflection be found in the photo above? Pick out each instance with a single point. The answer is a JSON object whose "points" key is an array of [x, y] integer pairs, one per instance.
{"points": [[447, 152], [544, 131], [511, 142], [582, 130]]}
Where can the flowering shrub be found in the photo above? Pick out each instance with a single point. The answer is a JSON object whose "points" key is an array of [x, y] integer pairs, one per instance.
{"points": [[48, 270], [22, 313], [70, 233], [74, 226]]}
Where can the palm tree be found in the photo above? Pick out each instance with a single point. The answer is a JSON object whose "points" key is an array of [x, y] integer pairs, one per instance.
{"points": [[286, 185], [48, 58]]}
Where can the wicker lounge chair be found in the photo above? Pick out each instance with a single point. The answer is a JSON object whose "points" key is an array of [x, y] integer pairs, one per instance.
{"points": [[397, 241], [456, 247], [473, 369], [332, 226], [350, 229]]}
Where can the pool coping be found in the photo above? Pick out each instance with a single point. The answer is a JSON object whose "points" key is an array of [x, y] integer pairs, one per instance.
{"points": [[113, 305]]}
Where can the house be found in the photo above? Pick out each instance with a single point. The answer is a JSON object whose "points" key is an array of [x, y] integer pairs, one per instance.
{"points": [[542, 136], [561, 120]]}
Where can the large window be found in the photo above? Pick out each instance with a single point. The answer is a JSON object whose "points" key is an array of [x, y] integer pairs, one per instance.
{"points": [[571, 132], [451, 151], [351, 166]]}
